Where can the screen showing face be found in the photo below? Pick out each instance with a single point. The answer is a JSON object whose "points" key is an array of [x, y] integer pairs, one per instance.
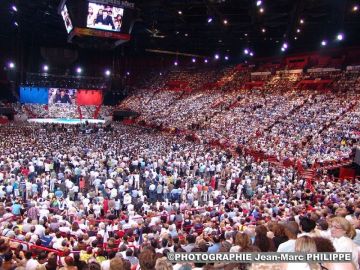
{"points": [[66, 18], [62, 96], [105, 17]]}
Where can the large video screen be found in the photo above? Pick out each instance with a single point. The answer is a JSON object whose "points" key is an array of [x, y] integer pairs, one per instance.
{"points": [[105, 17], [62, 96], [66, 18], [50, 96]]}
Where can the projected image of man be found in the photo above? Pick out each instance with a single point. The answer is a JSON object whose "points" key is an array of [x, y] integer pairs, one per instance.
{"points": [[63, 97]]}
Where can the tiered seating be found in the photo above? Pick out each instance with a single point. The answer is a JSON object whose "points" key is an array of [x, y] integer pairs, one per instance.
{"points": [[279, 120]]}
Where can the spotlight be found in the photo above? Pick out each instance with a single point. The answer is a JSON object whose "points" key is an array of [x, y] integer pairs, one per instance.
{"points": [[210, 20], [217, 56], [45, 68], [176, 63], [246, 51], [225, 22], [323, 43], [107, 72], [193, 60], [14, 8], [16, 24], [251, 54], [283, 49], [160, 73], [285, 45], [340, 37], [263, 30], [295, 38], [298, 30], [226, 58], [261, 10], [186, 34], [11, 65], [301, 21], [206, 61], [258, 3], [355, 8], [128, 73], [180, 12], [78, 70]]}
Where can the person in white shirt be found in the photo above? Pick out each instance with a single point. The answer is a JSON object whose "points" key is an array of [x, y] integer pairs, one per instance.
{"points": [[342, 233]]}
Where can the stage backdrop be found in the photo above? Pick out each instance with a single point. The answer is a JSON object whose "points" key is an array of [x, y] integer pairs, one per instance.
{"points": [[37, 95], [89, 97]]}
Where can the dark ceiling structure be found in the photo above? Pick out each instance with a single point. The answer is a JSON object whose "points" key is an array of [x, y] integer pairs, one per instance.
{"points": [[201, 27]]}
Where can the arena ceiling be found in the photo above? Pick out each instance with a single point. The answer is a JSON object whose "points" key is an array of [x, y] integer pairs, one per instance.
{"points": [[198, 26]]}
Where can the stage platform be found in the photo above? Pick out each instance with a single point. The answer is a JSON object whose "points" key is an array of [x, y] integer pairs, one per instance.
{"points": [[65, 121]]}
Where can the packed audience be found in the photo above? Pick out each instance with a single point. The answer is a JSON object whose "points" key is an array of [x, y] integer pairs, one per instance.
{"points": [[114, 197], [278, 119], [123, 197], [62, 111]]}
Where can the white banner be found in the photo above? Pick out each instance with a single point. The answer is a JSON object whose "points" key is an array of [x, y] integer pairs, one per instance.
{"points": [[261, 73], [353, 68], [316, 70]]}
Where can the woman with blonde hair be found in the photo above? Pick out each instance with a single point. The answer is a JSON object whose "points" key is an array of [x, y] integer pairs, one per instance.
{"points": [[304, 244], [342, 233]]}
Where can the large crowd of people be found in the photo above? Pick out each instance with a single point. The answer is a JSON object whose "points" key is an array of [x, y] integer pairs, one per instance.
{"points": [[114, 197], [123, 197], [277, 119]]}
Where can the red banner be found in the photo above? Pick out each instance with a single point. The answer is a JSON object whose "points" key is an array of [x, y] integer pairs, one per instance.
{"points": [[89, 97]]}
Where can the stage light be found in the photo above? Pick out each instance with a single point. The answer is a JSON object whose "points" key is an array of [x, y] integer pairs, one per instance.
{"points": [[302, 21], [11, 65], [217, 56], [261, 10], [206, 61], [323, 43], [263, 30], [45, 68], [355, 8], [285, 45], [298, 30], [340, 37], [295, 38], [78, 70], [246, 51], [226, 58], [245, 34], [107, 72], [258, 3], [176, 63], [14, 8], [180, 12], [160, 74], [16, 24], [251, 54], [193, 60], [128, 73], [186, 34], [283, 49], [225, 22], [210, 20]]}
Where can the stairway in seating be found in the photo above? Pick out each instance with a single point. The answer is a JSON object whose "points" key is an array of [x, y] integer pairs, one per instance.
{"points": [[97, 112], [80, 113]]}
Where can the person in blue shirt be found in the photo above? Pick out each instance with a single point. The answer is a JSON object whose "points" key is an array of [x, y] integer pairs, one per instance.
{"points": [[16, 209], [59, 194], [216, 246], [46, 239]]}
